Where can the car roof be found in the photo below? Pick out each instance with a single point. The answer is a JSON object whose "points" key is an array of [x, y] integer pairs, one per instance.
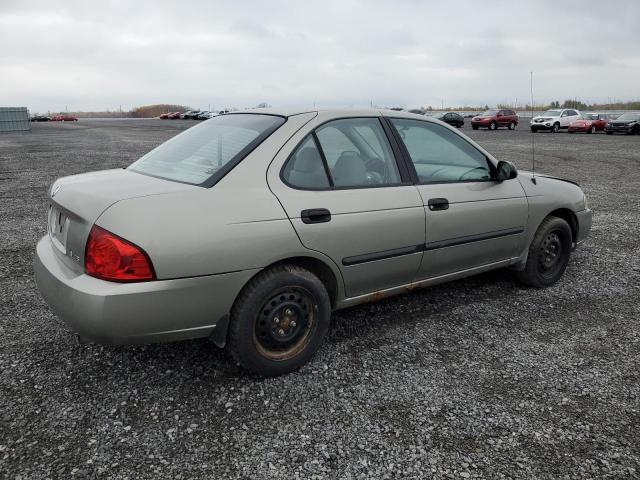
{"points": [[331, 112]]}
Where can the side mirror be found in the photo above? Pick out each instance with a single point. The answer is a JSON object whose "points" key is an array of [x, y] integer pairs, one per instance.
{"points": [[505, 171]]}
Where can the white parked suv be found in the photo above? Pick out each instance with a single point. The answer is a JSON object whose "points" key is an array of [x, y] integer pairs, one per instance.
{"points": [[554, 120]]}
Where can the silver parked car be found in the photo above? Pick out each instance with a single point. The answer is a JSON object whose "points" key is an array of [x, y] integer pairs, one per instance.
{"points": [[250, 228]]}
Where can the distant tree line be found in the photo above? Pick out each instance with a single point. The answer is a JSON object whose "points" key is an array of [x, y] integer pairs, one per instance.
{"points": [[148, 111]]}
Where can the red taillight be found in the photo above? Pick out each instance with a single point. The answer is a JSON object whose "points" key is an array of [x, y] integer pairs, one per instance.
{"points": [[110, 257]]}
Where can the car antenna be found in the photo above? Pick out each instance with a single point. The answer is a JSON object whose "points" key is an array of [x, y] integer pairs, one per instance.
{"points": [[533, 141]]}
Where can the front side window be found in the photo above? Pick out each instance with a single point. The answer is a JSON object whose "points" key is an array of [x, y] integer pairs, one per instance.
{"points": [[440, 155], [358, 153], [204, 153]]}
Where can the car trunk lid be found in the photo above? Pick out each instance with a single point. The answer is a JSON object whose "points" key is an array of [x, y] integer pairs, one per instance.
{"points": [[76, 202]]}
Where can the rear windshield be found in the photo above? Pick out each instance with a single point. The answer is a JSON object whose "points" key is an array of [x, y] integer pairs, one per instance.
{"points": [[205, 153]]}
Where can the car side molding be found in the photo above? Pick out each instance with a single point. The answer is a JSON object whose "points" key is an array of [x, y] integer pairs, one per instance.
{"points": [[451, 242]]}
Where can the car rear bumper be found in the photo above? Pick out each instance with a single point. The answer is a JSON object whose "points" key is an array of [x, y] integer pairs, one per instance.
{"points": [[141, 312], [584, 225]]}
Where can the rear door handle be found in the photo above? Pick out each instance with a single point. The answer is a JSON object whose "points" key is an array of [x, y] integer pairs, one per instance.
{"points": [[438, 204], [315, 215]]}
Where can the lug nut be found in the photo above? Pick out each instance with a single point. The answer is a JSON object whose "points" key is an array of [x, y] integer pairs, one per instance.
{"points": [[288, 312], [281, 332], [276, 320], [293, 323]]}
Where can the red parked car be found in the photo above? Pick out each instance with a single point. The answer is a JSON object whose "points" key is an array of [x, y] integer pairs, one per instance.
{"points": [[492, 119], [590, 123], [63, 118], [174, 116], [164, 116]]}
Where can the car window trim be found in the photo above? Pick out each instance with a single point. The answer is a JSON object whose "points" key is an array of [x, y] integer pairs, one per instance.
{"points": [[412, 167], [405, 177]]}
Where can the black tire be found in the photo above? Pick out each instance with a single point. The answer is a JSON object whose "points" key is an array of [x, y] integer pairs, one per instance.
{"points": [[609, 133], [534, 130], [493, 126], [474, 127], [257, 337], [555, 128], [549, 254], [592, 129], [512, 126]]}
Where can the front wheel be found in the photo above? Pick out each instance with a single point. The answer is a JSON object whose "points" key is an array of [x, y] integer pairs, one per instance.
{"points": [[474, 127], [279, 320], [609, 133], [555, 128], [592, 129], [549, 254], [493, 126]]}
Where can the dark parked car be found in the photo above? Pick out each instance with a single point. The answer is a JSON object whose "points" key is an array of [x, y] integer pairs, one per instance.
{"points": [[40, 118], [191, 115], [64, 118], [628, 123], [452, 118], [494, 118], [204, 115]]}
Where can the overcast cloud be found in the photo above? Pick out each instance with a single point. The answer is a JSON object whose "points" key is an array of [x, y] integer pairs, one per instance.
{"points": [[89, 55]]}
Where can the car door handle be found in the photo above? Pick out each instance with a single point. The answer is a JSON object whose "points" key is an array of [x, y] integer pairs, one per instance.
{"points": [[315, 215], [438, 204]]}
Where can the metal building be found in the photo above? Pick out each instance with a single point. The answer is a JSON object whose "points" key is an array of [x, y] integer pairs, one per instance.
{"points": [[14, 119]]}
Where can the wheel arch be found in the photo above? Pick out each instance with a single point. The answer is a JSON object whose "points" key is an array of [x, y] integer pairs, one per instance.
{"points": [[568, 216], [321, 269]]}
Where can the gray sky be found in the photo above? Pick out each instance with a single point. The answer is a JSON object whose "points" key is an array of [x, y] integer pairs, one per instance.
{"points": [[91, 55]]}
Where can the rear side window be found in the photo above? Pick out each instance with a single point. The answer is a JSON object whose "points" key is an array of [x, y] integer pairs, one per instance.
{"points": [[205, 153], [353, 152], [440, 155], [358, 153], [305, 168]]}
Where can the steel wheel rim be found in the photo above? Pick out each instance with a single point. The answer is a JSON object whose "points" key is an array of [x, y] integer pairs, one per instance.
{"points": [[283, 327], [551, 254]]}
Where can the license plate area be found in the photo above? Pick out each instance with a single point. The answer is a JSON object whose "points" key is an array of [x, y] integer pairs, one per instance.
{"points": [[58, 228]]}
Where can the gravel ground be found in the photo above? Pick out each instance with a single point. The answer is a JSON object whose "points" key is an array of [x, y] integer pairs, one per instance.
{"points": [[479, 378]]}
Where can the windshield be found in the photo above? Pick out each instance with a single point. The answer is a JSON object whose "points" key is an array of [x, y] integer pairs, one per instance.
{"points": [[204, 153], [590, 116], [489, 113], [551, 113], [628, 117]]}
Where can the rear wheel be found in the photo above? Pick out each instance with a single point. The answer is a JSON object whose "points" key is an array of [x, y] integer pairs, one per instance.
{"points": [[279, 320], [474, 127], [549, 254], [512, 126], [609, 133], [555, 128]]}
